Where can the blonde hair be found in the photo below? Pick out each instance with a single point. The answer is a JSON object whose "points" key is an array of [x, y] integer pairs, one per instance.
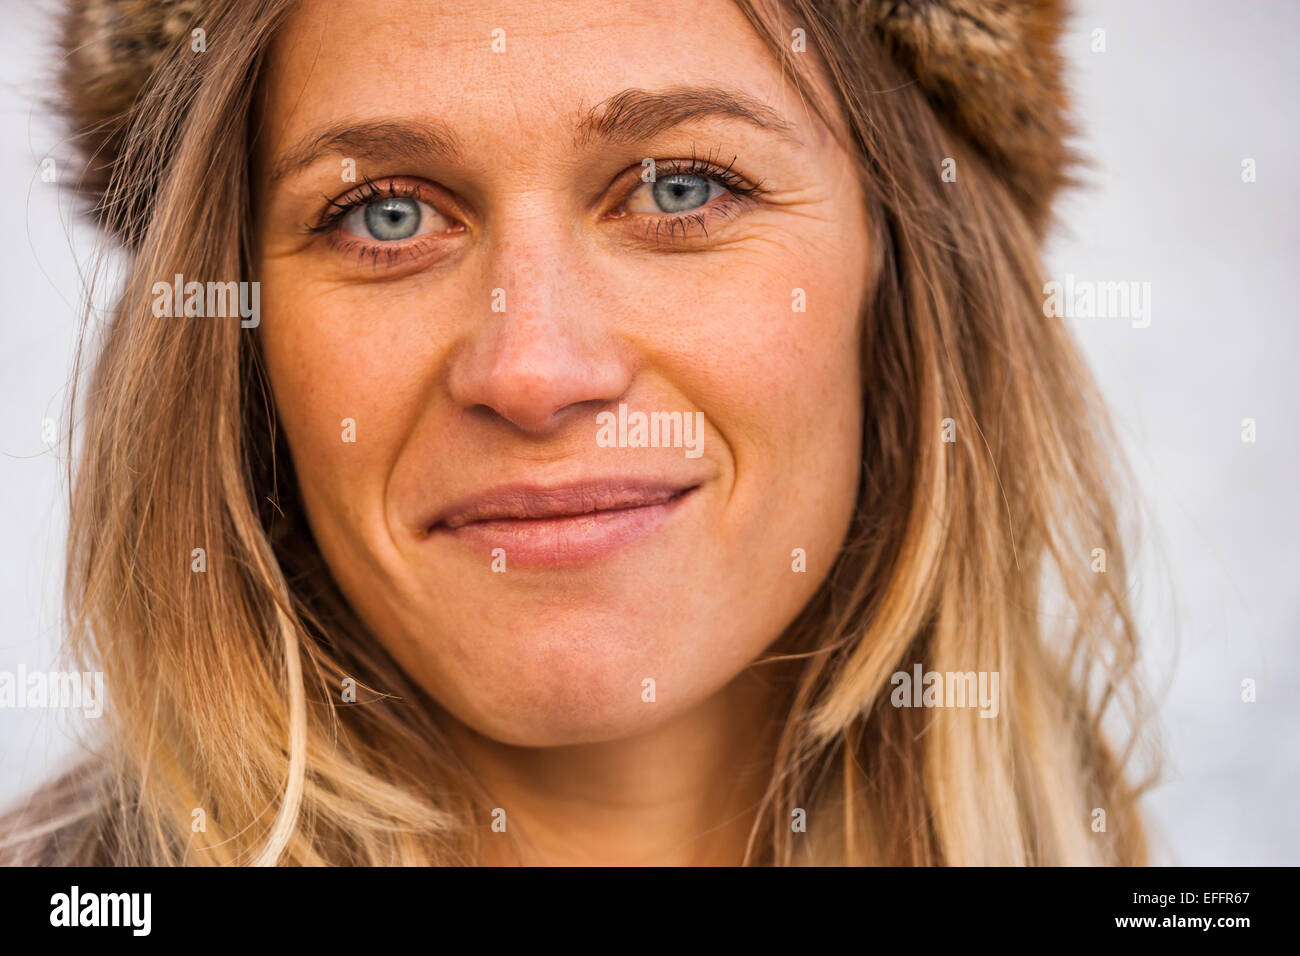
{"points": [[963, 554]]}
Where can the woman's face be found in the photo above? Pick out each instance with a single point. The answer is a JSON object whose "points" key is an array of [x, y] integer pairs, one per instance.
{"points": [[474, 285]]}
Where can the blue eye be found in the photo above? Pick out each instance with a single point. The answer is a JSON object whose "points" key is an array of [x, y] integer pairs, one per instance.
{"points": [[393, 219], [682, 192], [674, 194], [396, 217]]}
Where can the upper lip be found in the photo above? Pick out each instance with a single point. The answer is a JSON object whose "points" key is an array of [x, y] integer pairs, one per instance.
{"points": [[521, 501]]}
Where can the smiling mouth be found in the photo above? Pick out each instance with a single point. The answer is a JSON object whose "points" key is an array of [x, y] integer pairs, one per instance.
{"points": [[547, 527]]}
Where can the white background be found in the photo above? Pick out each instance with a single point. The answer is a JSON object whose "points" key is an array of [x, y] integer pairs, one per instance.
{"points": [[1182, 94]]}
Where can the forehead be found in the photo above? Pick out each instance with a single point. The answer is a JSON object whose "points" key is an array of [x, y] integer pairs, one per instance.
{"points": [[523, 71]]}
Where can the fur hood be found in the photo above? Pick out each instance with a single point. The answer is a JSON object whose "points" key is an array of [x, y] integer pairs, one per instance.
{"points": [[990, 69]]}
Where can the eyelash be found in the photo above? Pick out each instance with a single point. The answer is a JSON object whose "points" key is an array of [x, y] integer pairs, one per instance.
{"points": [[737, 193], [367, 192]]}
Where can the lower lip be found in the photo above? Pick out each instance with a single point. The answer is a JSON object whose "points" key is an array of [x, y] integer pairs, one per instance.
{"points": [[575, 539]]}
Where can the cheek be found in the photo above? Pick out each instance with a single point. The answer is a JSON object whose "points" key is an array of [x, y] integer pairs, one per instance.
{"points": [[347, 392], [773, 358], [769, 348]]}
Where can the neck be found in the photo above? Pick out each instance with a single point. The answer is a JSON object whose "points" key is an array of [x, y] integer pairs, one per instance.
{"points": [[685, 793]]}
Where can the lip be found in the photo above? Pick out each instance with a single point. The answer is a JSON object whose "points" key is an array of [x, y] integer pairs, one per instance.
{"points": [[560, 525]]}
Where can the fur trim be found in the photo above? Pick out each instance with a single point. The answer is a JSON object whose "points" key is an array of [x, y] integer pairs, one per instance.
{"points": [[989, 67], [111, 48]]}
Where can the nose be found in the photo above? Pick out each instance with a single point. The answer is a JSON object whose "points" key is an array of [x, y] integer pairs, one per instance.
{"points": [[545, 350]]}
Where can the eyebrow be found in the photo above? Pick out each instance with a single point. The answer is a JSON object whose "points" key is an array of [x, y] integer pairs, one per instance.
{"points": [[382, 140], [641, 114], [626, 117]]}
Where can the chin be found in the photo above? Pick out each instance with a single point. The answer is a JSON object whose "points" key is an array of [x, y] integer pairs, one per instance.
{"points": [[562, 687]]}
